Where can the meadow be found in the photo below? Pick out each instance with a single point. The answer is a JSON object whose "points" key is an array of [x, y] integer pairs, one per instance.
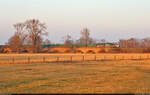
{"points": [[124, 76]]}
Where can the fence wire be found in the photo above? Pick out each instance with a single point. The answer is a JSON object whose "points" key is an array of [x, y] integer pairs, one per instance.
{"points": [[42, 58]]}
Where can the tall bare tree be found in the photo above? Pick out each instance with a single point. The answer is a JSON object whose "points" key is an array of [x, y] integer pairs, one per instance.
{"points": [[68, 40], [36, 30], [85, 37], [18, 39], [15, 43], [20, 31]]}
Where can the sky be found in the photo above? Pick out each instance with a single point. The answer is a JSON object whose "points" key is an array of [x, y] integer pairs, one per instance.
{"points": [[106, 19]]}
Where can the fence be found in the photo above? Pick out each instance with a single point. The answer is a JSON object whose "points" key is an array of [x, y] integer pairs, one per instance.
{"points": [[46, 58]]}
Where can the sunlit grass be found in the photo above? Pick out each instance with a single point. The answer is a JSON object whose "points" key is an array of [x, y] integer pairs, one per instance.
{"points": [[78, 77]]}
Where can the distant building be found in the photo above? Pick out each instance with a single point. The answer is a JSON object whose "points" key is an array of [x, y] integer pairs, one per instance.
{"points": [[130, 43], [112, 45]]}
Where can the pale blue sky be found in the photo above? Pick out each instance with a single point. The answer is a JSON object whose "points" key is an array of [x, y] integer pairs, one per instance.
{"points": [[109, 19]]}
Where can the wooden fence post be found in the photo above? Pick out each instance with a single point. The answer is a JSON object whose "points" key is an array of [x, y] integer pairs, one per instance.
{"points": [[95, 58], [104, 57], [83, 58], [57, 59], [115, 57], [28, 59], [71, 58], [13, 60], [43, 59]]}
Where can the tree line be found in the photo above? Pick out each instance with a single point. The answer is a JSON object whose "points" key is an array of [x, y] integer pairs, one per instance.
{"points": [[32, 33]]}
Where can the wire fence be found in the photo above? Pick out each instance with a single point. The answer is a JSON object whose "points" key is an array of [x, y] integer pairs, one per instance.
{"points": [[33, 58]]}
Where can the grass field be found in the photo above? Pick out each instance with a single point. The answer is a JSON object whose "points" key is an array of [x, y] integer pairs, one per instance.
{"points": [[130, 76]]}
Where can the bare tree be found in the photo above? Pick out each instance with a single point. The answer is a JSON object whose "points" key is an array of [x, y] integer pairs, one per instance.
{"points": [[85, 37], [20, 31], [68, 40], [15, 42], [18, 39], [36, 30]]}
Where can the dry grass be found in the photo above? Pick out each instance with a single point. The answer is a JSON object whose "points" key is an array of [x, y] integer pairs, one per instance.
{"points": [[78, 77]]}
